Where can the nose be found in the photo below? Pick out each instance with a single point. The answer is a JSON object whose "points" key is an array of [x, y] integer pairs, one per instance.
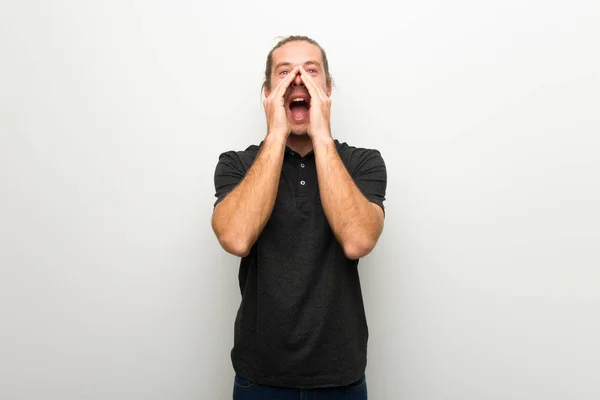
{"points": [[297, 81]]}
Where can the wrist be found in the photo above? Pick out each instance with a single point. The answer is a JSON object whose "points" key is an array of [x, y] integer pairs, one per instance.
{"points": [[276, 138], [323, 139], [278, 132]]}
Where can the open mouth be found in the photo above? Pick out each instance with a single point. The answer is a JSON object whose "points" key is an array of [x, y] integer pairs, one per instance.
{"points": [[299, 108]]}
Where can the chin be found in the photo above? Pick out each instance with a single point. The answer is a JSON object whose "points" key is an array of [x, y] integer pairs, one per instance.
{"points": [[299, 130]]}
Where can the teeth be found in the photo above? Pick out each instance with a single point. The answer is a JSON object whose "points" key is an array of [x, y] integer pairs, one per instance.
{"points": [[298, 99]]}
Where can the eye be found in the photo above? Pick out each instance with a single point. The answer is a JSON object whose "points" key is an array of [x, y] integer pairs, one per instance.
{"points": [[312, 70], [283, 72]]}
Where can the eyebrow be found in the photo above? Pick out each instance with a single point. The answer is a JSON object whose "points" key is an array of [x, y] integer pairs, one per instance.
{"points": [[288, 64]]}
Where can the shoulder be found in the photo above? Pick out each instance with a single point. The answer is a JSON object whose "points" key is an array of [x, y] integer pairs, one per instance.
{"points": [[354, 152], [240, 158], [357, 158]]}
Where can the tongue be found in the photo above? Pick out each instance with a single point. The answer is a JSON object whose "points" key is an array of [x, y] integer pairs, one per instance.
{"points": [[299, 112]]}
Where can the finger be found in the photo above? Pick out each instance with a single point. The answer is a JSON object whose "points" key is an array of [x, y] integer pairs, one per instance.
{"points": [[285, 83], [309, 83], [273, 92], [313, 88]]}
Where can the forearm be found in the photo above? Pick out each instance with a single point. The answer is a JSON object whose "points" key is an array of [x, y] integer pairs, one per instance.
{"points": [[241, 216], [351, 215]]}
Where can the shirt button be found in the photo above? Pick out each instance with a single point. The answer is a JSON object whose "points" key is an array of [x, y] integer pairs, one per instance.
{"points": [[302, 165], [302, 183]]}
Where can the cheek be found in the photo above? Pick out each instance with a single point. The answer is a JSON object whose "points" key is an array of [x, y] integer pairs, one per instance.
{"points": [[273, 84], [322, 83]]}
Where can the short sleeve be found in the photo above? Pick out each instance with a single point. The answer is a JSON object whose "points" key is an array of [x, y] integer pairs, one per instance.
{"points": [[229, 172], [370, 176]]}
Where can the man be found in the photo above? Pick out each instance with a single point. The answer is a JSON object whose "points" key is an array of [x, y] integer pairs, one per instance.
{"points": [[300, 209]]}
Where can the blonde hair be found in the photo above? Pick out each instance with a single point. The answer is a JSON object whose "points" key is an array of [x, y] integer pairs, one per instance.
{"points": [[294, 38]]}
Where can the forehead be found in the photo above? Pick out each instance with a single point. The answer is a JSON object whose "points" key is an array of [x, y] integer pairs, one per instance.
{"points": [[296, 53]]}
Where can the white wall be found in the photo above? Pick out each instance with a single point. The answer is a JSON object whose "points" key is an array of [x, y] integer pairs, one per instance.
{"points": [[485, 284]]}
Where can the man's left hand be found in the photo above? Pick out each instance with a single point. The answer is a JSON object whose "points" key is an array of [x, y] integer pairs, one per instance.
{"points": [[320, 106]]}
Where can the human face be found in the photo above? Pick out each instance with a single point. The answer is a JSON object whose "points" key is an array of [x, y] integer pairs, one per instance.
{"points": [[296, 97]]}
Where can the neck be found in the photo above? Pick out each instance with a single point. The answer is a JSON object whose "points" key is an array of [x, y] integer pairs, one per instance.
{"points": [[301, 144]]}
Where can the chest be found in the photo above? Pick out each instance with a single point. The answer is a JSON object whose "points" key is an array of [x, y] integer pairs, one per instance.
{"points": [[298, 192]]}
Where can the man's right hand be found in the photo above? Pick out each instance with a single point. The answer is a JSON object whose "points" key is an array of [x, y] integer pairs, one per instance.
{"points": [[274, 104], [241, 216]]}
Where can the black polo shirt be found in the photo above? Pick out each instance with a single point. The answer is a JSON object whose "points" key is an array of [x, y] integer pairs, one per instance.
{"points": [[301, 322]]}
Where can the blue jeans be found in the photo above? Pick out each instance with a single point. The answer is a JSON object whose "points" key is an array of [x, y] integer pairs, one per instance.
{"points": [[243, 389]]}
